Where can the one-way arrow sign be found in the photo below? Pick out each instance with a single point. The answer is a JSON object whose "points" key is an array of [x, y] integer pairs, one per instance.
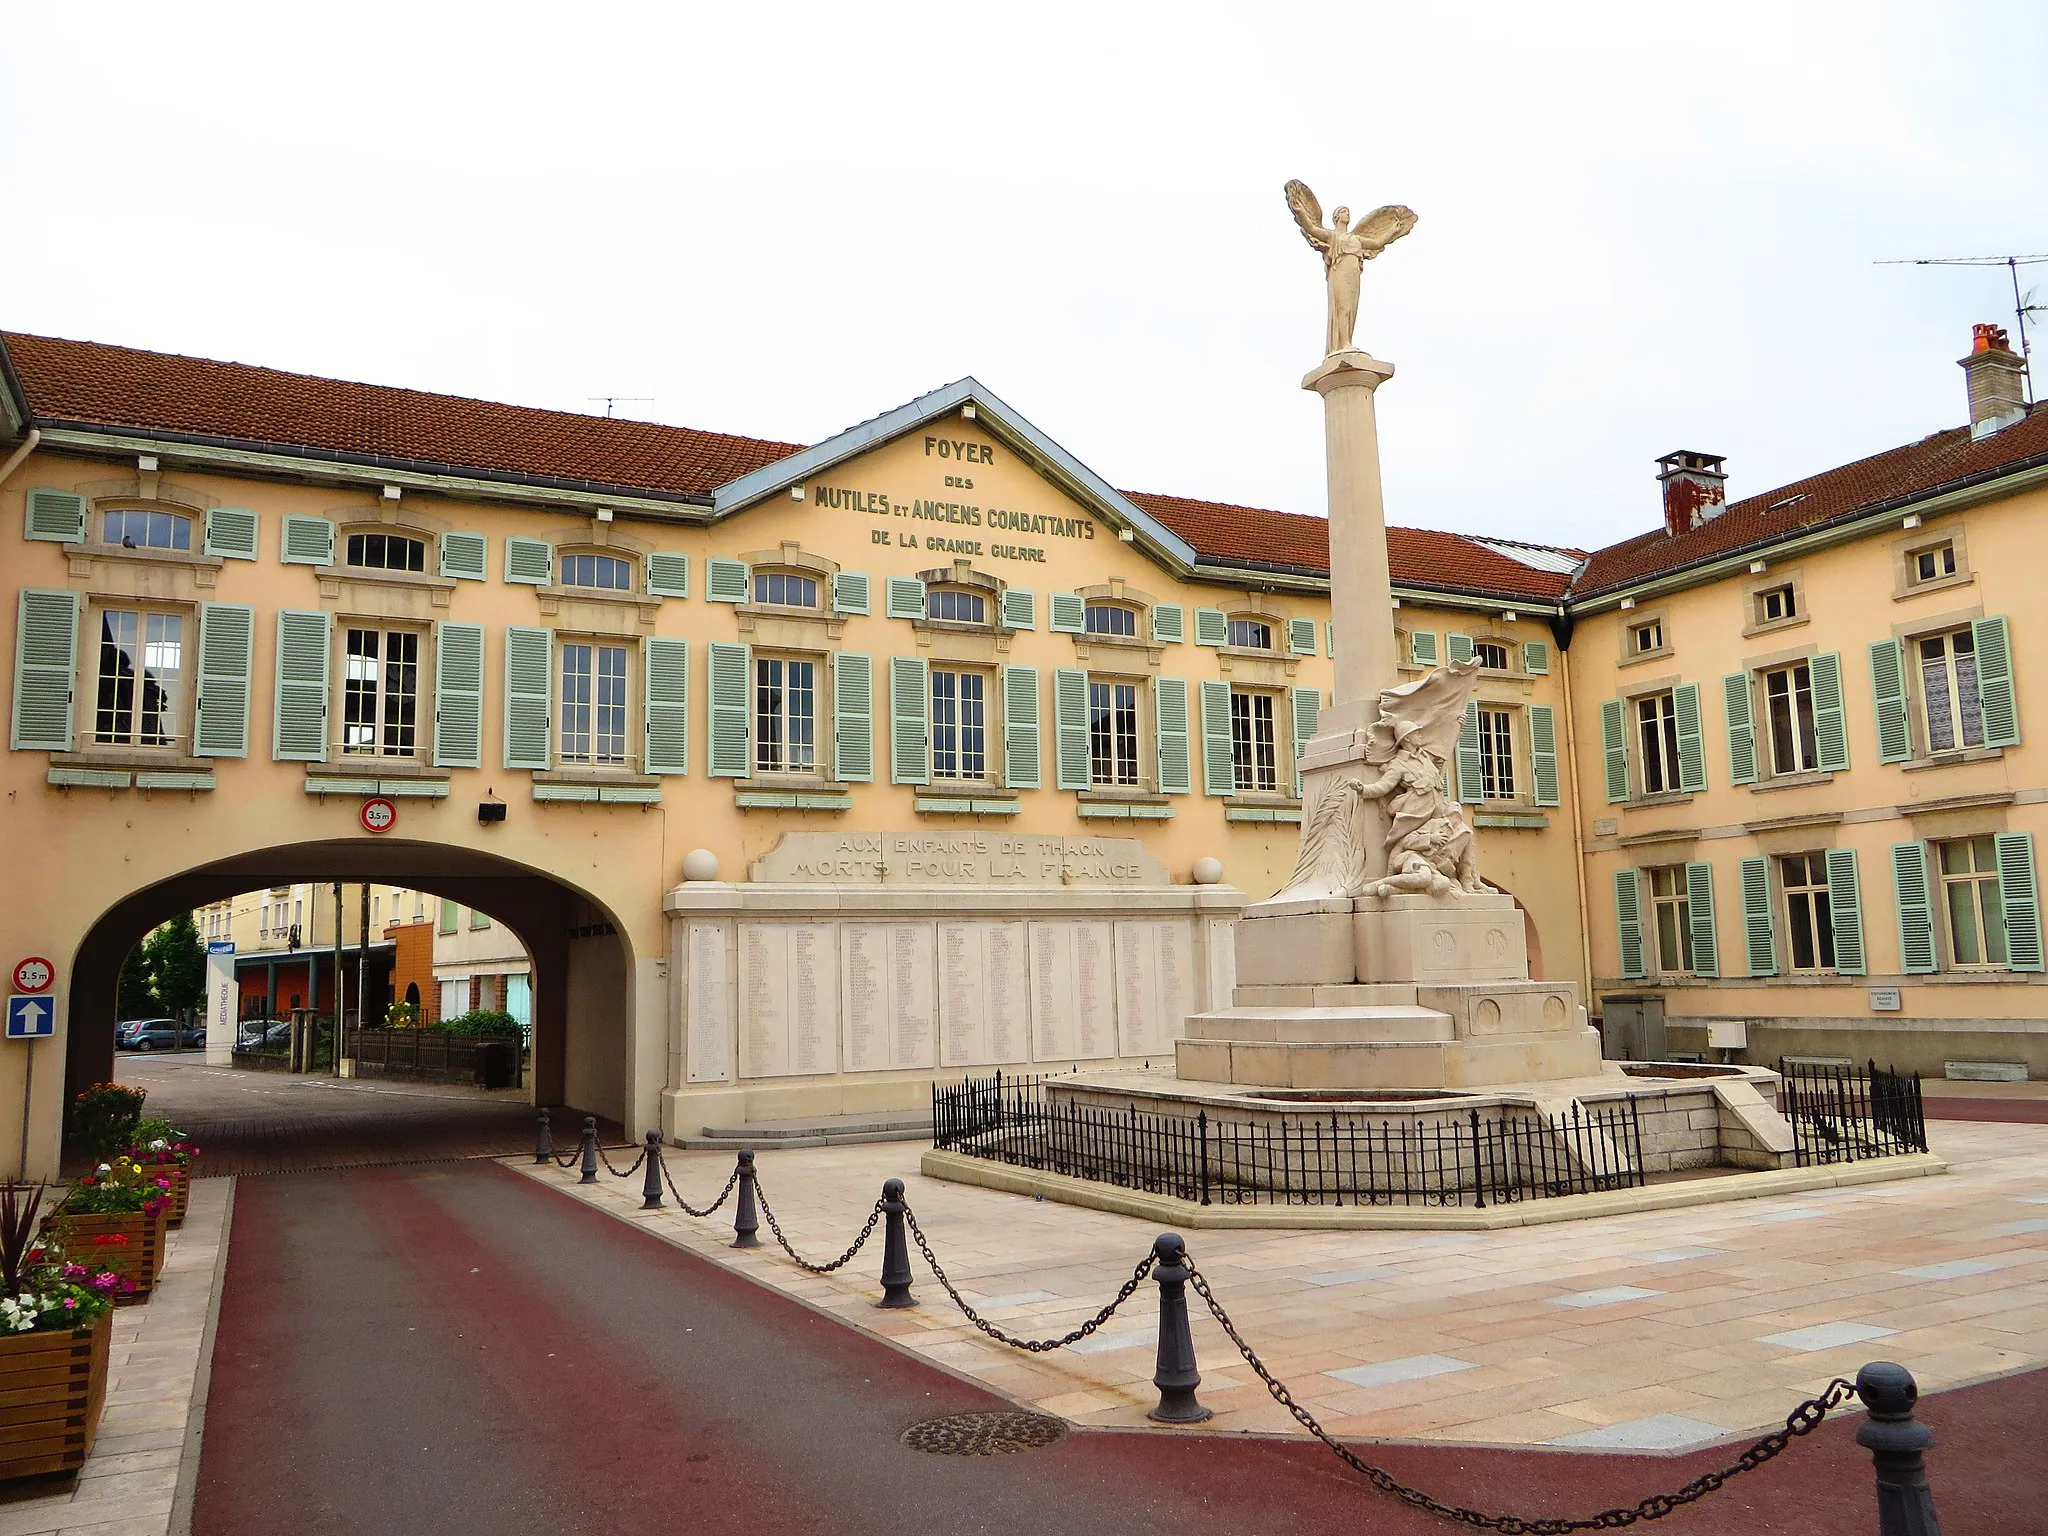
{"points": [[30, 1018]]}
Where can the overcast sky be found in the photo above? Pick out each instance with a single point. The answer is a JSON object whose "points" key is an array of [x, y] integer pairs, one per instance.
{"points": [[1642, 227]]}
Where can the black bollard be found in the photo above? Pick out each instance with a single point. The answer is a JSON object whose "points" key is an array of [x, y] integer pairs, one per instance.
{"points": [[650, 1182], [1176, 1376], [746, 1219], [1905, 1504], [895, 1251], [544, 1145], [589, 1150]]}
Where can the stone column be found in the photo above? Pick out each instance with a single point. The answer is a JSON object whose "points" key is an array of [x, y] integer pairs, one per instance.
{"points": [[1361, 588]]}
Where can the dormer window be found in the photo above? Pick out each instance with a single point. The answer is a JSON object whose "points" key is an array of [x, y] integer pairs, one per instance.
{"points": [[1113, 620], [785, 589], [951, 605], [1490, 654], [386, 552], [146, 528], [606, 573], [1251, 634]]}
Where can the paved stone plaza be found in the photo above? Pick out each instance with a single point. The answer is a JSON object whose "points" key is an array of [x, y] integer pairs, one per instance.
{"points": [[1652, 1331]]}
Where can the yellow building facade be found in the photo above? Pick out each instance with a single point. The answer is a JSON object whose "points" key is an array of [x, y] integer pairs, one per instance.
{"points": [[274, 630]]}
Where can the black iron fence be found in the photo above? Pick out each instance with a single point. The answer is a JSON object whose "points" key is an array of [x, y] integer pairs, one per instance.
{"points": [[432, 1055], [1442, 1157], [1842, 1115]]}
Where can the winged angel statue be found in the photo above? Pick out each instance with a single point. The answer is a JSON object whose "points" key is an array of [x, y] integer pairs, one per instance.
{"points": [[1346, 249], [1428, 843]]}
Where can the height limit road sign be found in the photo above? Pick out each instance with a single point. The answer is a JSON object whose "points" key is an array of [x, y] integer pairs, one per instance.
{"points": [[30, 1018]]}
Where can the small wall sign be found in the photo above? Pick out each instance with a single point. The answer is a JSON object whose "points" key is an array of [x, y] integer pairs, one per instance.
{"points": [[34, 974], [379, 814], [1886, 1000]]}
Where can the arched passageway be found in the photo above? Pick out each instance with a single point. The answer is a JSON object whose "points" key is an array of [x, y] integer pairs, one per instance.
{"points": [[581, 962]]}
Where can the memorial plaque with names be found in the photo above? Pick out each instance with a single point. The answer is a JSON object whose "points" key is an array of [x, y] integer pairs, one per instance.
{"points": [[710, 1016], [1154, 970], [913, 1010], [1094, 990], [863, 956], [983, 1007], [1222, 947], [789, 1000], [1073, 991]]}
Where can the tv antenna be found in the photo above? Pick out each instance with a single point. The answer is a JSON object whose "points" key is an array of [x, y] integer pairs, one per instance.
{"points": [[2024, 308], [611, 400]]}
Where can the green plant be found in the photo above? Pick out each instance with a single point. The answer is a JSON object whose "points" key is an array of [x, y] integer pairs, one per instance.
{"points": [[105, 1115], [43, 1292], [401, 1016], [133, 998], [159, 1142], [177, 965], [493, 1022], [119, 1187]]}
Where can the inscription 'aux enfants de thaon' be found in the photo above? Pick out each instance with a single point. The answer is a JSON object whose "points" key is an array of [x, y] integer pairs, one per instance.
{"points": [[924, 509], [968, 859]]}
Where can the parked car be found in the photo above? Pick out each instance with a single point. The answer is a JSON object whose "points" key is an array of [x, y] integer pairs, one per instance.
{"points": [[264, 1035], [157, 1035]]}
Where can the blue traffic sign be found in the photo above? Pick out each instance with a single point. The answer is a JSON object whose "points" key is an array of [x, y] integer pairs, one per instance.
{"points": [[30, 1018]]}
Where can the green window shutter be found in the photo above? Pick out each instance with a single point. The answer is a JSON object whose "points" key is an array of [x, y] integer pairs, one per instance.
{"points": [[458, 695], [1169, 623], [1699, 905], [1219, 774], [850, 595], [1614, 740], [1471, 773], [1994, 684], [1916, 909], [1543, 755], [668, 574], [529, 562], [1070, 727], [1845, 909], [1692, 752], [1460, 647], [906, 599], [1308, 709], [1069, 613], [529, 691], [668, 706], [299, 711], [725, 581], [909, 719], [1888, 684], [465, 556], [307, 541], [1758, 931], [1019, 609], [732, 715], [2022, 900], [227, 651], [1212, 626], [1830, 730], [230, 533], [853, 718], [1301, 637], [45, 668], [1422, 647], [1021, 766], [1628, 923], [1330, 638], [1170, 710], [56, 516], [1737, 703], [1536, 658]]}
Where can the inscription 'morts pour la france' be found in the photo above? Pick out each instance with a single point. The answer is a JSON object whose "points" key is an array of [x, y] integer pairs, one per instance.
{"points": [[964, 859]]}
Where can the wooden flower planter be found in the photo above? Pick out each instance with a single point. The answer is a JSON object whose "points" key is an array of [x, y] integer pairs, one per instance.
{"points": [[130, 1244], [181, 1193], [52, 1388]]}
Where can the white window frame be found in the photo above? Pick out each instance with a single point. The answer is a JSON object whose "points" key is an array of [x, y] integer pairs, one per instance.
{"points": [[1657, 742], [145, 617], [348, 549], [1956, 718], [961, 726], [184, 519], [602, 721], [1255, 740], [760, 574], [1795, 746], [380, 693], [1498, 728], [778, 723], [1671, 918], [1989, 916], [1809, 911], [564, 564], [1121, 765]]}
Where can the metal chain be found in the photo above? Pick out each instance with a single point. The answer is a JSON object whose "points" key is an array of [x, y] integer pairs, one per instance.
{"points": [[1803, 1420], [1036, 1346], [621, 1173], [669, 1179], [569, 1156], [803, 1263]]}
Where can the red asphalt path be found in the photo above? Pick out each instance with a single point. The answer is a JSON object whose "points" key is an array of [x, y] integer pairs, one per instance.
{"points": [[457, 1350]]}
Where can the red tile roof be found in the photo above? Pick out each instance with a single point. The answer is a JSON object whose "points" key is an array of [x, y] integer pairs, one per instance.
{"points": [[1944, 460], [105, 386]]}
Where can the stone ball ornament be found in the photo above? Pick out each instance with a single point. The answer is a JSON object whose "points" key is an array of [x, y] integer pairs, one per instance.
{"points": [[1206, 871], [700, 864]]}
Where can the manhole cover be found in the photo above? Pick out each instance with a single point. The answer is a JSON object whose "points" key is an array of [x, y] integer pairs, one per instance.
{"points": [[984, 1434]]}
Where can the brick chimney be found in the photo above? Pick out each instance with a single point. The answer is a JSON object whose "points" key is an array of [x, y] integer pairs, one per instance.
{"points": [[1695, 489], [1997, 382]]}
